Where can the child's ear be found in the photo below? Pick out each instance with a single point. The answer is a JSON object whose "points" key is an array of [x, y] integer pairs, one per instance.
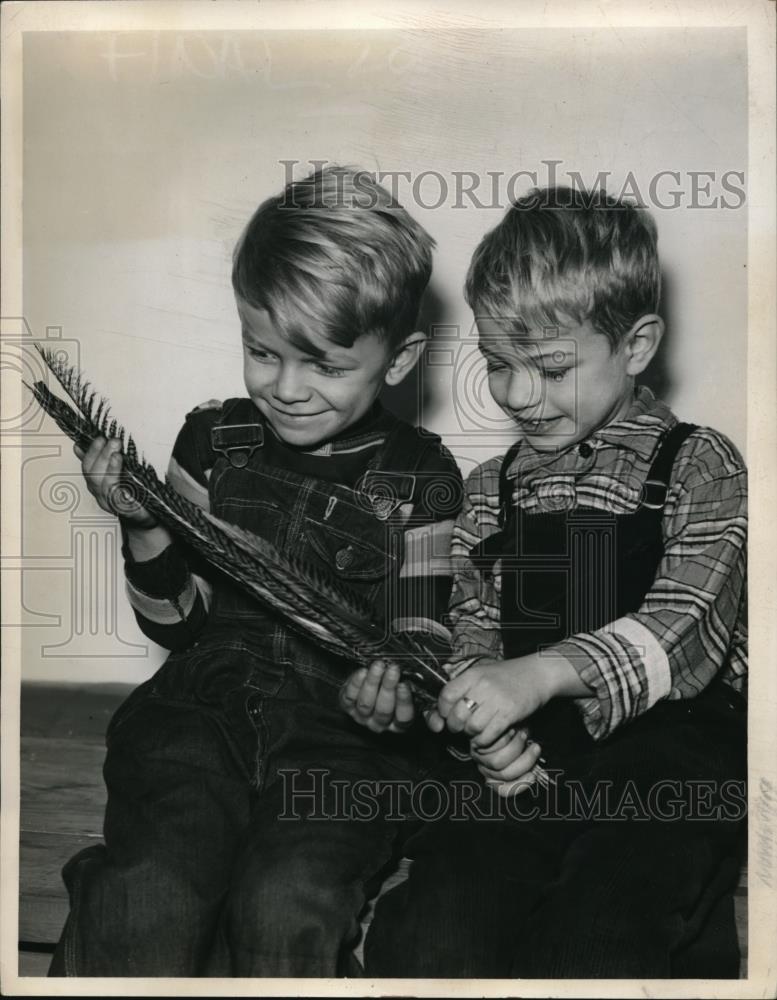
{"points": [[405, 357], [641, 342]]}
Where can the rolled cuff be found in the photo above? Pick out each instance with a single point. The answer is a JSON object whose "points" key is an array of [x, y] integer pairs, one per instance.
{"points": [[165, 576]]}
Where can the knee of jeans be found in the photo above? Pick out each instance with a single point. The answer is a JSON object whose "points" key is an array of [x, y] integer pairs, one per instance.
{"points": [[295, 898]]}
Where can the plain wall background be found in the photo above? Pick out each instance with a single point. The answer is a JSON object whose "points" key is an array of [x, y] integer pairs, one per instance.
{"points": [[145, 153]]}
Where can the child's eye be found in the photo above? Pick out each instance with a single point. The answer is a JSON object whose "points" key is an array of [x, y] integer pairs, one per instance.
{"points": [[554, 374], [492, 367], [258, 354], [329, 370]]}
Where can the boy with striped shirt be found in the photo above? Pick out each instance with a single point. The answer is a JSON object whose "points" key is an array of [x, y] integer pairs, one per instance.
{"points": [[222, 766]]}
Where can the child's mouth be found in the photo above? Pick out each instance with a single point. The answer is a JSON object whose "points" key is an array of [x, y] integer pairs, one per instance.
{"points": [[537, 426], [293, 417]]}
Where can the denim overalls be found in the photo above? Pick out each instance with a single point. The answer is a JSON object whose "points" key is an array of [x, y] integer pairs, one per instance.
{"points": [[233, 842], [583, 880]]}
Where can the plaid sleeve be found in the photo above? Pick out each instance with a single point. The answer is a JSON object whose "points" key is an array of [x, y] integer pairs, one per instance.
{"points": [[690, 625], [473, 612], [424, 581], [169, 594]]}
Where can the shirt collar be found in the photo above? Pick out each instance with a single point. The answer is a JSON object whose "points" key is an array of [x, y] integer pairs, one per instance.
{"points": [[639, 431], [643, 426], [366, 432]]}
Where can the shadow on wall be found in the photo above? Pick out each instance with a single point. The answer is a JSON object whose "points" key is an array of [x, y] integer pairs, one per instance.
{"points": [[658, 376], [414, 396]]}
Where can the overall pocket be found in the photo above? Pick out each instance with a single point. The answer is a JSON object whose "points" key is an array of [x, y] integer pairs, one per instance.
{"points": [[362, 566]]}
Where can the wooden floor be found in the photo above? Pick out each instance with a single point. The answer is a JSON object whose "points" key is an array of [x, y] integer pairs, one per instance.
{"points": [[62, 801]]}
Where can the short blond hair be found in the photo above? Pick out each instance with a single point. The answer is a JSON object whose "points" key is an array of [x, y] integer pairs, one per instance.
{"points": [[335, 253], [563, 254]]}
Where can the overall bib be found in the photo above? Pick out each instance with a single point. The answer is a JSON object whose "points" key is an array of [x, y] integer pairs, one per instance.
{"points": [[594, 877], [231, 846]]}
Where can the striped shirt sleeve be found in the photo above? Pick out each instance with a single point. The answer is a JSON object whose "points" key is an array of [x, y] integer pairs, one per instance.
{"points": [[691, 622], [170, 593], [424, 582]]}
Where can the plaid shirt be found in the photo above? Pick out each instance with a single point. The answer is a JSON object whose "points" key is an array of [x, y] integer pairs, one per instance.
{"points": [[691, 625]]}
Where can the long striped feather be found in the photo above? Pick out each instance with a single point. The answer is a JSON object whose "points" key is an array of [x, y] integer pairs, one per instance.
{"points": [[311, 601]]}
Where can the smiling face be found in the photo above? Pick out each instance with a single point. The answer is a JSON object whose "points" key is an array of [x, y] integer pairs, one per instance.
{"points": [[560, 390], [309, 399]]}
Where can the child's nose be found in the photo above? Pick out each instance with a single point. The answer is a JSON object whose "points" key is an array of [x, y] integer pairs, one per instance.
{"points": [[290, 384], [524, 390]]}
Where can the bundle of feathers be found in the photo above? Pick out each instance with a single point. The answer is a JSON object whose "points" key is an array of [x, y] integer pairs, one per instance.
{"points": [[315, 604]]}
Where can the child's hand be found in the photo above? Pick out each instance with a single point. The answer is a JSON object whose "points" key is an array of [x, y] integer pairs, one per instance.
{"points": [[378, 699], [491, 695], [508, 763], [101, 466]]}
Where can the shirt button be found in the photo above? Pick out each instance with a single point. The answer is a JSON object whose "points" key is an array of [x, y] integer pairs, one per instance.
{"points": [[344, 557], [585, 450]]}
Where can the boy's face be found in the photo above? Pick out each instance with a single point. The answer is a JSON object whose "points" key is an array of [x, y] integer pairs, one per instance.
{"points": [[310, 400], [558, 390]]}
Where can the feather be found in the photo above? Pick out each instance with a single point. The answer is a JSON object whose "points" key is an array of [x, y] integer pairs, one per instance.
{"points": [[312, 602]]}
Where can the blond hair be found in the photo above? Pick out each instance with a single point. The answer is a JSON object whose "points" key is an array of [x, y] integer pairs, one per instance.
{"points": [[334, 253], [561, 255]]}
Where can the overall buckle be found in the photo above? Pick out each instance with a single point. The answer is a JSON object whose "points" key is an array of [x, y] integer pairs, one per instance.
{"points": [[654, 497], [237, 442], [386, 491]]}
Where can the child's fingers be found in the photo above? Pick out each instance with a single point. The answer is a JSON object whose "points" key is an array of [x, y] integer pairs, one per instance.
{"points": [[468, 716], [434, 720], [501, 751], [100, 473], [509, 743], [386, 699], [516, 768], [349, 692], [458, 713], [102, 461], [365, 702], [391, 675], [452, 693], [478, 747], [493, 728], [505, 789], [404, 711], [477, 719], [92, 454]]}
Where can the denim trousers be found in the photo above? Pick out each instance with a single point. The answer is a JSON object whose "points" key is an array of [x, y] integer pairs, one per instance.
{"points": [[230, 847], [625, 868]]}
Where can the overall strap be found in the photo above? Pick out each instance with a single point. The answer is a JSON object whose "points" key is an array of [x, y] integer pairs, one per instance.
{"points": [[405, 448], [238, 432], [506, 484], [660, 472], [393, 477], [486, 552]]}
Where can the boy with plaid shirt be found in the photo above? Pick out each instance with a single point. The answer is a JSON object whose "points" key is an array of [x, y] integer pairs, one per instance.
{"points": [[598, 617]]}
